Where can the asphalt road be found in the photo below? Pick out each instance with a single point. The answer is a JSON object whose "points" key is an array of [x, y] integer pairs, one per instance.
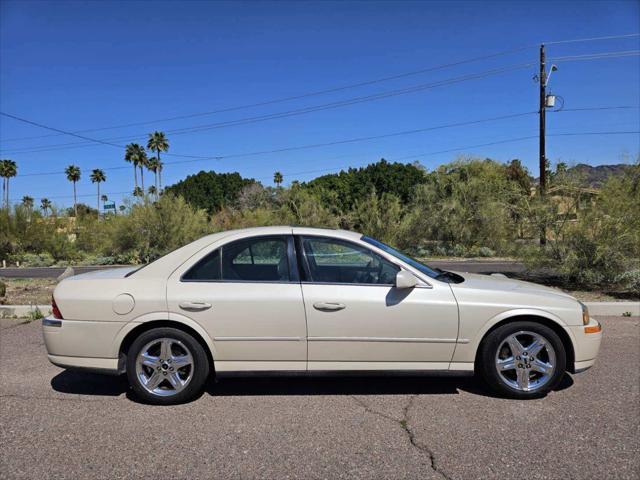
{"points": [[59, 424], [474, 266]]}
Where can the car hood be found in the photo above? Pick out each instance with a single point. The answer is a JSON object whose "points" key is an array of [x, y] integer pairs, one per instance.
{"points": [[504, 284]]}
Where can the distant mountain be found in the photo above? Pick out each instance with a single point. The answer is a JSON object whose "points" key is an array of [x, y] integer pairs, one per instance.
{"points": [[596, 176]]}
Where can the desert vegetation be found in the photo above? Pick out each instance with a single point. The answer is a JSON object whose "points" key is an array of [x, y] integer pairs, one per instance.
{"points": [[467, 208]]}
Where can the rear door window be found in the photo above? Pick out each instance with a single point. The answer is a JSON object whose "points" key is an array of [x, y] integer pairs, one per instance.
{"points": [[256, 259], [259, 259]]}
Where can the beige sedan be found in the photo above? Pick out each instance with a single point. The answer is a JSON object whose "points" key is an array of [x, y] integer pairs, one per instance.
{"points": [[290, 299]]}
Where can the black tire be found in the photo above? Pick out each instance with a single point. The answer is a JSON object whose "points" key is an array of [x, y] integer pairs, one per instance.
{"points": [[489, 351], [199, 373]]}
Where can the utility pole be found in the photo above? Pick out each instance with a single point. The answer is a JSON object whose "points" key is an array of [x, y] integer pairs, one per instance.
{"points": [[543, 156]]}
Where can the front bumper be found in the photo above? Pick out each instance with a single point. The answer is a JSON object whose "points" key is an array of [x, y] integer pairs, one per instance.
{"points": [[586, 345], [78, 344]]}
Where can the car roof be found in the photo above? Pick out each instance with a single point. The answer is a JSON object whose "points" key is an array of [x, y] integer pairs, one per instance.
{"points": [[279, 230], [174, 259]]}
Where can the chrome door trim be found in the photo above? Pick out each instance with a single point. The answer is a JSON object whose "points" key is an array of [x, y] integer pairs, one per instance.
{"points": [[383, 339], [258, 339]]}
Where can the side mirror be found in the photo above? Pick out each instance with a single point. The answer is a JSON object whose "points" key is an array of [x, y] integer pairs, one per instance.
{"points": [[405, 279]]}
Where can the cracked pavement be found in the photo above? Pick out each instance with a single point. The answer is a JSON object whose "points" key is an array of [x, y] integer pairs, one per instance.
{"points": [[59, 424]]}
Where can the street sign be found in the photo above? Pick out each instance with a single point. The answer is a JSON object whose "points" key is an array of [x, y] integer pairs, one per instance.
{"points": [[109, 206]]}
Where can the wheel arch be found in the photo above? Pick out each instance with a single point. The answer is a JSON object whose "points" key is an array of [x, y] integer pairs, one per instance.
{"points": [[554, 325], [139, 328]]}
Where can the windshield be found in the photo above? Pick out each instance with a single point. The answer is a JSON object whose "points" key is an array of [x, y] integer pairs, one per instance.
{"points": [[405, 258]]}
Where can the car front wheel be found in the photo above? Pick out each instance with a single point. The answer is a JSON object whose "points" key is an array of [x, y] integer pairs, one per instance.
{"points": [[522, 360], [166, 366]]}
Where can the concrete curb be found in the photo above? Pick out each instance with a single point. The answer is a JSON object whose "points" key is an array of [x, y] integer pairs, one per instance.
{"points": [[595, 308], [613, 308], [23, 311]]}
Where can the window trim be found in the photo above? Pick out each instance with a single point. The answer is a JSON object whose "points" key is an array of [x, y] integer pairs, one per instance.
{"points": [[294, 276], [307, 272]]}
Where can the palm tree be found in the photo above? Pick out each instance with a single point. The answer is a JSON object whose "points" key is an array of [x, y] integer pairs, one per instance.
{"points": [[122, 208], [143, 164], [135, 155], [73, 175], [138, 192], [98, 176], [27, 201], [277, 179], [158, 143], [45, 205], [8, 169], [104, 198], [154, 165], [152, 190]]}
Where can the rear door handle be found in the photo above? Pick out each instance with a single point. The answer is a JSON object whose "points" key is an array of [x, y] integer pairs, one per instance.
{"points": [[194, 306], [328, 306]]}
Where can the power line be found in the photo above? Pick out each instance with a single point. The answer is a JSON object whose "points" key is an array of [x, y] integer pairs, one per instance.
{"points": [[375, 137], [623, 107], [609, 37], [341, 88], [510, 140], [335, 89], [597, 56], [457, 149], [31, 122], [298, 97], [79, 195], [335, 142], [289, 113], [593, 133], [62, 132], [338, 104]]}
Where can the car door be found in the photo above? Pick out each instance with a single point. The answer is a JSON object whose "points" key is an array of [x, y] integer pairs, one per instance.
{"points": [[247, 296], [357, 319]]}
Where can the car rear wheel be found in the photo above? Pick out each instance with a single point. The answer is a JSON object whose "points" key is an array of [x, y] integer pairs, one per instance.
{"points": [[166, 366], [522, 360]]}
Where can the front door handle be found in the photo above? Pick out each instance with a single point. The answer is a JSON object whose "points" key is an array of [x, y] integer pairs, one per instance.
{"points": [[194, 306], [328, 306]]}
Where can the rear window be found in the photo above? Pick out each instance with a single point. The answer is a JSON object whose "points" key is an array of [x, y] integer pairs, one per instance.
{"points": [[206, 269]]}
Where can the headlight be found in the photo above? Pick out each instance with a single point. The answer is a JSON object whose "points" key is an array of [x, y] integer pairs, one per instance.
{"points": [[585, 313]]}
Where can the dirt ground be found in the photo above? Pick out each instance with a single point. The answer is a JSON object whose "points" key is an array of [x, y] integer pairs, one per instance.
{"points": [[27, 291]]}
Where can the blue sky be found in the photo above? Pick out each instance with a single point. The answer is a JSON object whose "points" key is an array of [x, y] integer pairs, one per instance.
{"points": [[85, 65]]}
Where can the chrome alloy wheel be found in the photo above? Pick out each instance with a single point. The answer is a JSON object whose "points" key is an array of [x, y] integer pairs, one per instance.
{"points": [[525, 361], [164, 366]]}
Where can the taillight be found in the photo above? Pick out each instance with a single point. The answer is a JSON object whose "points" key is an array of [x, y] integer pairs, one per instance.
{"points": [[55, 310]]}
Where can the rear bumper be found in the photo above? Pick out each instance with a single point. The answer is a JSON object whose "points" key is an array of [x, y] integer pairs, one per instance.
{"points": [[78, 344], [586, 345], [107, 366]]}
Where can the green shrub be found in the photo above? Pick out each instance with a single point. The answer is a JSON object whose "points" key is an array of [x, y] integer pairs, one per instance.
{"points": [[3, 289], [151, 230], [35, 314], [37, 259], [485, 252], [599, 249], [629, 281]]}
